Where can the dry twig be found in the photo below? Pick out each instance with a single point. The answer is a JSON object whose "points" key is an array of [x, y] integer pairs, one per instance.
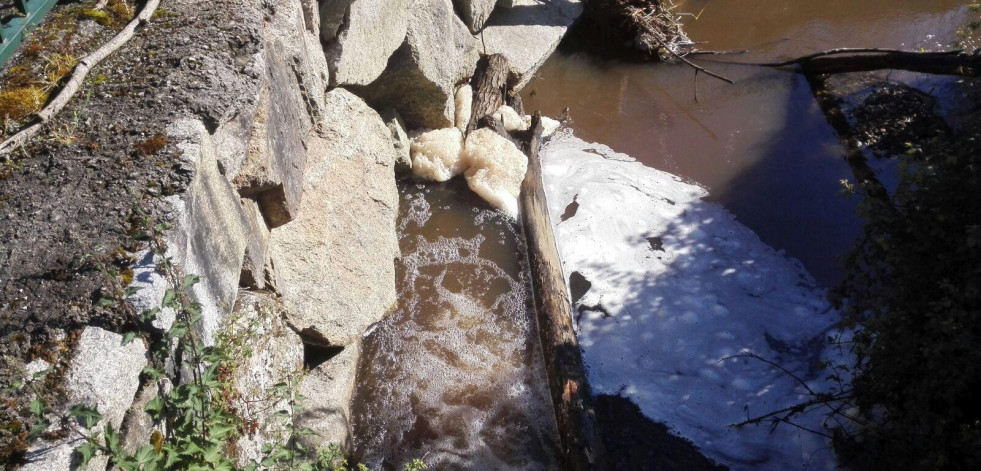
{"points": [[77, 78]]}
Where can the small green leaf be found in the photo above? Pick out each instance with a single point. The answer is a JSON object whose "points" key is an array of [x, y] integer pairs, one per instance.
{"points": [[169, 297], [86, 416], [191, 280], [38, 408], [38, 429], [153, 373], [128, 337], [155, 408], [149, 316], [86, 452]]}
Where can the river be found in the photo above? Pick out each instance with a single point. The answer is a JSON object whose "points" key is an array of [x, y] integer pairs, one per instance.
{"points": [[761, 147], [454, 376]]}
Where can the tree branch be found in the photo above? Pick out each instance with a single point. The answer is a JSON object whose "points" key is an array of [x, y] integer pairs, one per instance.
{"points": [[77, 78]]}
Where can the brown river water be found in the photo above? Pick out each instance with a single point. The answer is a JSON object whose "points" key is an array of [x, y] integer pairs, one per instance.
{"points": [[761, 146], [454, 376]]}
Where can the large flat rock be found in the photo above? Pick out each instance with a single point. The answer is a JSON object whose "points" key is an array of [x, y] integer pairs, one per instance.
{"points": [[335, 262], [528, 32], [367, 33], [104, 373]]}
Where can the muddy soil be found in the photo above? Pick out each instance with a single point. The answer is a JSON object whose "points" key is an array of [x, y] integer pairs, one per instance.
{"points": [[67, 201]]}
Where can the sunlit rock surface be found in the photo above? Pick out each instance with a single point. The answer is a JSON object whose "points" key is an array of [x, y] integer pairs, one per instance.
{"points": [[335, 261], [367, 33], [667, 288], [528, 32], [420, 79]]}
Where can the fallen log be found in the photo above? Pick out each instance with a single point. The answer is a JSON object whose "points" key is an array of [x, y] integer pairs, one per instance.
{"points": [[846, 60], [490, 87], [571, 396], [571, 399]]}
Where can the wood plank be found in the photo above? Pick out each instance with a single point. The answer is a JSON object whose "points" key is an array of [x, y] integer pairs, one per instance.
{"points": [[571, 397]]}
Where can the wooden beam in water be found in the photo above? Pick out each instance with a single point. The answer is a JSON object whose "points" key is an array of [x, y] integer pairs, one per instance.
{"points": [[580, 442], [571, 397]]}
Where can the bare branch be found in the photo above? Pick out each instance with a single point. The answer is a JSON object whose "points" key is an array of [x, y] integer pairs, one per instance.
{"points": [[77, 78]]}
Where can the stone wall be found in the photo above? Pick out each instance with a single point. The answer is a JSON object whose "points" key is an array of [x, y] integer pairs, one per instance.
{"points": [[278, 177]]}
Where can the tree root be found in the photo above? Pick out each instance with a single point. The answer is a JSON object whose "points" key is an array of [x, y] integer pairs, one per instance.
{"points": [[76, 80]]}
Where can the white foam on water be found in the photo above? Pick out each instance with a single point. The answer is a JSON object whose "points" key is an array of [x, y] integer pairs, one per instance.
{"points": [[463, 109], [436, 155], [454, 376], [511, 119], [496, 169], [678, 287]]}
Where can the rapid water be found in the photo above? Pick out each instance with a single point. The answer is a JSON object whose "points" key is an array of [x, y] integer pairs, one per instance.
{"points": [[454, 376]]}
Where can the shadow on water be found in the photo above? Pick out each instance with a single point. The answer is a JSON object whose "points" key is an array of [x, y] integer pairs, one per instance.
{"points": [[792, 195], [760, 146], [669, 289]]}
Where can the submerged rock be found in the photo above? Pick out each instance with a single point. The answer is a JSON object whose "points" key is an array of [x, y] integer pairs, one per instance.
{"points": [[335, 262]]}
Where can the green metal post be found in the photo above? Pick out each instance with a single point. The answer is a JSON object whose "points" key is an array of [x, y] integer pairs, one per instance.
{"points": [[13, 31]]}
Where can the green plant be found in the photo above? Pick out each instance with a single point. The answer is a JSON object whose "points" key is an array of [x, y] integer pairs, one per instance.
{"points": [[198, 419]]}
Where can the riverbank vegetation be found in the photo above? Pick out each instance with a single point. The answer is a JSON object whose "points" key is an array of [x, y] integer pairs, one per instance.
{"points": [[912, 295]]}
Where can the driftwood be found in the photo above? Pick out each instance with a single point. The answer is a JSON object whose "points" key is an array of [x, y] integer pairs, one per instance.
{"points": [[571, 397], [77, 78], [845, 60], [490, 87]]}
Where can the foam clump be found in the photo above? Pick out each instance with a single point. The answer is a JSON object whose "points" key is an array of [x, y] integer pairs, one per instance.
{"points": [[549, 125], [511, 119], [496, 169], [516, 122], [464, 103], [437, 155]]}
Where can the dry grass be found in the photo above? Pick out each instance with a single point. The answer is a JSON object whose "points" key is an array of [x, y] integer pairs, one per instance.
{"points": [[20, 103]]}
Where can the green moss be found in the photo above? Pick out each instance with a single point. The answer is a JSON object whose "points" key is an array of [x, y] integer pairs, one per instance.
{"points": [[19, 103], [97, 16]]}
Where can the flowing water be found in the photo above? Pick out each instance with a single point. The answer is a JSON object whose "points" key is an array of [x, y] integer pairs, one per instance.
{"points": [[762, 146], [454, 375]]}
